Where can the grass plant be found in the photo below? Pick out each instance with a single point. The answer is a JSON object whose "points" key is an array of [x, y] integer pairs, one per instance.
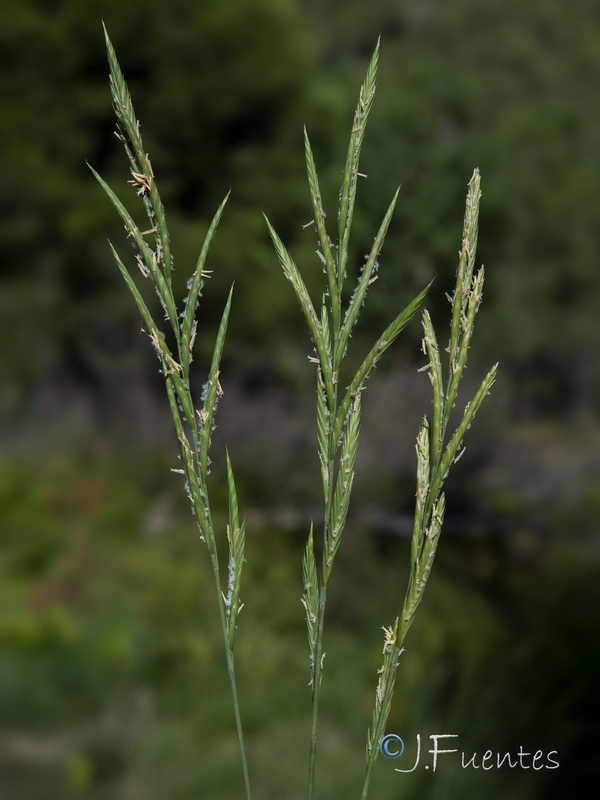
{"points": [[338, 409], [193, 424]]}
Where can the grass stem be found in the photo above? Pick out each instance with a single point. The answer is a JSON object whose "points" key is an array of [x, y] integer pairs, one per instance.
{"points": [[316, 692]]}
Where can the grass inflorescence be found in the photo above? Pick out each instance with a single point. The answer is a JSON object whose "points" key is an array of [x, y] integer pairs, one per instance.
{"points": [[330, 324], [193, 421], [339, 410], [436, 452]]}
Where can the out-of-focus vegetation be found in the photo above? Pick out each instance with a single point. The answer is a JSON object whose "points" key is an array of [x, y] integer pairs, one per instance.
{"points": [[111, 681]]}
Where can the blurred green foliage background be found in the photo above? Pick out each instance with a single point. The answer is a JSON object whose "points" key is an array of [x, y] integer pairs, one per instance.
{"points": [[112, 682]]}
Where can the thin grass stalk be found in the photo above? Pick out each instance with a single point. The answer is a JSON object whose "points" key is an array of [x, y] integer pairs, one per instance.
{"points": [[316, 691], [322, 584]]}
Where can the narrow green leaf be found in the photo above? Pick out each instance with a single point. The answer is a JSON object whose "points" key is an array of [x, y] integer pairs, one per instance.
{"points": [[323, 422], [326, 248], [467, 325], [363, 284], [234, 516], [212, 392], [466, 263], [435, 376], [164, 291], [236, 537], [343, 489], [455, 442], [130, 226], [139, 301], [386, 339], [348, 190], [192, 298], [325, 330], [183, 393], [423, 477], [384, 692], [310, 600], [194, 491], [421, 570], [170, 366], [292, 274]]}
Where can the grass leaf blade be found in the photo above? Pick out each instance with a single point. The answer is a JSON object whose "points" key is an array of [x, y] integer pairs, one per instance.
{"points": [[471, 306], [130, 226], [192, 298], [139, 300], [292, 274], [164, 291], [343, 489], [323, 422], [466, 263], [237, 539], [456, 440], [421, 567], [348, 190], [363, 283], [423, 477], [435, 375], [310, 600], [319, 216], [383, 698], [212, 391], [386, 339]]}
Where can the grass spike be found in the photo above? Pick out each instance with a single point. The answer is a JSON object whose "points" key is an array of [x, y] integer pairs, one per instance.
{"points": [[142, 171], [323, 432], [430, 345], [291, 273], [343, 489], [383, 698], [237, 539], [212, 391], [193, 445], [364, 281], [163, 289], [348, 190], [466, 262], [187, 326], [471, 409], [310, 600], [319, 216]]}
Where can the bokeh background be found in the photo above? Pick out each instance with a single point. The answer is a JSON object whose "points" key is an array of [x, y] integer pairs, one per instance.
{"points": [[112, 680]]}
